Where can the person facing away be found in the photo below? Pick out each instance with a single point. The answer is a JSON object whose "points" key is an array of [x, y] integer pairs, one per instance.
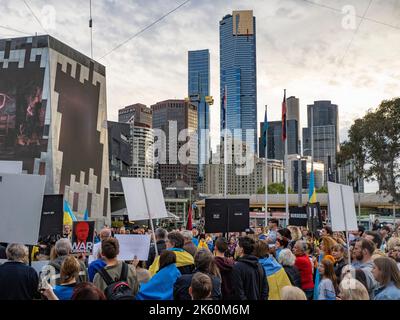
{"points": [[275, 274], [105, 234], [287, 259], [109, 252], [18, 281], [63, 249], [161, 285], [161, 237], [363, 251], [248, 275], [327, 287], [387, 275], [292, 293], [352, 289], [200, 287], [184, 260], [189, 246], [225, 266], [273, 225], [304, 266], [204, 262], [69, 272]]}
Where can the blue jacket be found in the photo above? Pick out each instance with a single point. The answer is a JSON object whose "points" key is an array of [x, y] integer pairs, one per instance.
{"points": [[94, 267], [161, 285], [64, 292], [390, 292]]}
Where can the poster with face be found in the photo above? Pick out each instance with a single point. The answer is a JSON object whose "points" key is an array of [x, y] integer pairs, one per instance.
{"points": [[82, 237]]}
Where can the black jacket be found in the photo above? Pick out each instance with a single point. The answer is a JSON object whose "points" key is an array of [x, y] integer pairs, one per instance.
{"points": [[3, 252], [161, 246], [293, 275], [338, 267], [181, 287], [18, 282], [249, 279]]}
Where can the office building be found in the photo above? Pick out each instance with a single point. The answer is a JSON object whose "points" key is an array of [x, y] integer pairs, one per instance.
{"points": [[138, 112], [142, 152]]}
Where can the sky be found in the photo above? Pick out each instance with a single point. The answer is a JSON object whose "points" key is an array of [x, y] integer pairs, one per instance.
{"points": [[346, 51]]}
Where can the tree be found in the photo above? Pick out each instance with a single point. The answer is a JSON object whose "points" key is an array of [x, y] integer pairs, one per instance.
{"points": [[322, 190], [274, 188], [374, 147]]}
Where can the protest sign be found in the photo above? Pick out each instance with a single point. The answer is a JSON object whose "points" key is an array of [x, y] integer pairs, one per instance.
{"points": [[298, 216], [11, 167], [82, 237], [51, 223], [131, 245]]}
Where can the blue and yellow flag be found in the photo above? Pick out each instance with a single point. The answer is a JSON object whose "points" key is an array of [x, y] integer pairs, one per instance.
{"points": [[68, 211], [312, 195]]}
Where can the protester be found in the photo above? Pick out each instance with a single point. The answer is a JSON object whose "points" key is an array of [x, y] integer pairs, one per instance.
{"points": [[96, 265], [17, 280], [363, 251], [184, 260], [375, 237], [105, 233], [115, 268], [287, 259], [340, 261], [231, 246], [189, 246], [273, 225], [69, 273], [161, 285], [195, 235], [248, 276], [384, 233], [204, 263], [200, 287], [276, 275], [292, 293], [62, 250], [356, 235], [387, 274], [295, 235], [225, 266], [304, 266], [328, 286], [326, 232], [87, 291], [280, 244], [161, 237], [352, 289]]}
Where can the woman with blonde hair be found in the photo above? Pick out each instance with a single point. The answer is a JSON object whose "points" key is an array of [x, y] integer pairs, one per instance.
{"points": [[292, 293], [352, 289], [69, 273]]}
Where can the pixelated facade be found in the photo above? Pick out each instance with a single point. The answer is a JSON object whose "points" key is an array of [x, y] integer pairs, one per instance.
{"points": [[53, 115]]}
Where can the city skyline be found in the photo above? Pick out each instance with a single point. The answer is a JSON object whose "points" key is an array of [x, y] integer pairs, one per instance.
{"points": [[344, 64]]}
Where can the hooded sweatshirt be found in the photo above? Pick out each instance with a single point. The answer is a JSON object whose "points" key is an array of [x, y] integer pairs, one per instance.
{"points": [[248, 279], [276, 277], [225, 266]]}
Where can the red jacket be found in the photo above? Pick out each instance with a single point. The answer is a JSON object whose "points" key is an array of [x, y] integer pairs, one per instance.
{"points": [[304, 265]]}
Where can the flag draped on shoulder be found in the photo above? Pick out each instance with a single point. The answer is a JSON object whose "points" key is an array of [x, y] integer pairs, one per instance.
{"points": [[312, 195], [284, 117]]}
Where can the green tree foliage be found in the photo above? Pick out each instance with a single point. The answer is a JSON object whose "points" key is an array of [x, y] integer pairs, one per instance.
{"points": [[374, 147], [274, 188]]}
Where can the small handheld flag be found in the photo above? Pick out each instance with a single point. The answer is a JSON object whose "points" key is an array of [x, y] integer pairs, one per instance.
{"points": [[312, 195], [68, 210]]}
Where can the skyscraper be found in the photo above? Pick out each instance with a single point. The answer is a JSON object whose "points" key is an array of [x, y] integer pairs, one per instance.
{"points": [[238, 72], [140, 112], [199, 90], [326, 136], [293, 125]]}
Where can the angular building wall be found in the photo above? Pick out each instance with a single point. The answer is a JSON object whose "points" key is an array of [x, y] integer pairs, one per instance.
{"points": [[55, 119]]}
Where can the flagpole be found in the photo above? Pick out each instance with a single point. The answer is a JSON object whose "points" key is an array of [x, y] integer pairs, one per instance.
{"points": [[225, 144], [266, 172], [286, 171]]}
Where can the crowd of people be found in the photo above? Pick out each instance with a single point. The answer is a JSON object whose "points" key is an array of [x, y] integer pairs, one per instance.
{"points": [[271, 263]]}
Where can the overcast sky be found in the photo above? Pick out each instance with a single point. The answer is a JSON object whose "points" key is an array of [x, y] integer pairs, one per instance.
{"points": [[313, 51]]}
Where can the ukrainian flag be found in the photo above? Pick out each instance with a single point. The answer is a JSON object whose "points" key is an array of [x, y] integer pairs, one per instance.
{"points": [[69, 216], [312, 195]]}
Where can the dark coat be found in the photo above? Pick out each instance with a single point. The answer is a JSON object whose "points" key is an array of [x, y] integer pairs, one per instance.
{"points": [[249, 279], [294, 275], [18, 282], [225, 266], [338, 267], [3, 252], [161, 246], [181, 287]]}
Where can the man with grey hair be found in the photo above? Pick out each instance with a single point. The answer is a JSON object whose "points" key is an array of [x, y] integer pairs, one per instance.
{"points": [[62, 249], [189, 246], [161, 237], [305, 268], [18, 281], [105, 233]]}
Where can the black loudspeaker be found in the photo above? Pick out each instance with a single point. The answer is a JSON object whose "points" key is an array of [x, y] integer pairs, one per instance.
{"points": [[227, 215], [51, 222]]}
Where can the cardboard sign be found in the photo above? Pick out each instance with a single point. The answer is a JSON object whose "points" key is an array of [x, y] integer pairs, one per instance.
{"points": [[298, 216], [21, 200], [131, 245], [82, 237]]}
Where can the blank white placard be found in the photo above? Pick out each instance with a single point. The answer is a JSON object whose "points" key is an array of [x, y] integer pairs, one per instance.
{"points": [[21, 200], [336, 209], [131, 245], [135, 198], [11, 167]]}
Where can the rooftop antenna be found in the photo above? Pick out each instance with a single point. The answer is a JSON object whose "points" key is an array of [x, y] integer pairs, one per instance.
{"points": [[91, 29]]}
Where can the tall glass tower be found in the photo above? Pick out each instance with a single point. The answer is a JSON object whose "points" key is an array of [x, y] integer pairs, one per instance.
{"points": [[199, 89], [238, 72]]}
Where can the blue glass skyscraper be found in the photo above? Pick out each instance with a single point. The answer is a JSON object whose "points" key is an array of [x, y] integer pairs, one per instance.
{"points": [[238, 72], [198, 87]]}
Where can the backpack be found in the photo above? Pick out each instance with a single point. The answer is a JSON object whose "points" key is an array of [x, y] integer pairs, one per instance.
{"points": [[117, 289]]}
